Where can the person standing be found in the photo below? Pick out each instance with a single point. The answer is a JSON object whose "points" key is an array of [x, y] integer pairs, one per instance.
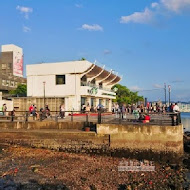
{"points": [[176, 108], [123, 110], [62, 111], [31, 109], [4, 109]]}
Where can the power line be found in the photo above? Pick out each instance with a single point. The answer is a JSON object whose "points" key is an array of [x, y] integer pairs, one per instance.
{"points": [[151, 89]]}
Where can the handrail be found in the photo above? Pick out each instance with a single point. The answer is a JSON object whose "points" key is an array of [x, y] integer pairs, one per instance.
{"points": [[99, 117], [96, 86]]}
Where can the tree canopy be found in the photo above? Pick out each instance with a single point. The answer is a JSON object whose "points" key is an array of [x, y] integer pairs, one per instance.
{"points": [[21, 90], [124, 95]]}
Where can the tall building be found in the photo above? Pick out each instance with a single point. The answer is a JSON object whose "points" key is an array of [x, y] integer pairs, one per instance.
{"points": [[11, 67]]}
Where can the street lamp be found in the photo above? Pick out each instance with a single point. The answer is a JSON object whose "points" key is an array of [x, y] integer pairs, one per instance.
{"points": [[165, 92], [169, 90], [44, 83]]}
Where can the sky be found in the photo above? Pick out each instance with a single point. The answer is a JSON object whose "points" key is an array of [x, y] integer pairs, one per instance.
{"points": [[147, 42]]}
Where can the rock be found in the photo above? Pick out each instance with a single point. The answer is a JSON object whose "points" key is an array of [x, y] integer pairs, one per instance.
{"points": [[167, 168], [7, 183]]}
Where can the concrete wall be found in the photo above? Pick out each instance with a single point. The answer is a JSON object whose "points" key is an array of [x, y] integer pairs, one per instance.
{"points": [[58, 140], [144, 137], [42, 125], [140, 142], [35, 86]]}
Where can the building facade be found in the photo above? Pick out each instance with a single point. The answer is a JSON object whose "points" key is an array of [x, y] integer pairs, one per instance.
{"points": [[11, 68], [77, 82]]}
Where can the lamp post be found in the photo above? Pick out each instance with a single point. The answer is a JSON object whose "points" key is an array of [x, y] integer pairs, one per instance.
{"points": [[169, 90], [44, 84], [165, 92]]}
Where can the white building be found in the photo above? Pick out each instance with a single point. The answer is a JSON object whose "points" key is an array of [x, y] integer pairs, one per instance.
{"points": [[78, 82]]}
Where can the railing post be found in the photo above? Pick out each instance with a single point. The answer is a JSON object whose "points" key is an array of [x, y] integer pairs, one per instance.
{"points": [[99, 117], [71, 116], [179, 118], [12, 118], [87, 119], [40, 116], [120, 117], [173, 122], [56, 118], [26, 119]]}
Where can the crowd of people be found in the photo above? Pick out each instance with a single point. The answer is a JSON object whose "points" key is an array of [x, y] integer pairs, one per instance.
{"points": [[142, 112], [93, 109], [139, 111], [45, 112], [156, 108]]}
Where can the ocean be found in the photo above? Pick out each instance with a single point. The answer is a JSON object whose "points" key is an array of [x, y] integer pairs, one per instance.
{"points": [[185, 118]]}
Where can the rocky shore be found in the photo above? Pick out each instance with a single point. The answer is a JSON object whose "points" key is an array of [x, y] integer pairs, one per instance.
{"points": [[29, 168]]}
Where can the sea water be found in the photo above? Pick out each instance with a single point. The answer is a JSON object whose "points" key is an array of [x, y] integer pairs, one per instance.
{"points": [[185, 118]]}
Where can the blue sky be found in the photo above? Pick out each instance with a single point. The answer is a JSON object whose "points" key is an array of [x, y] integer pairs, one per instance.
{"points": [[147, 42]]}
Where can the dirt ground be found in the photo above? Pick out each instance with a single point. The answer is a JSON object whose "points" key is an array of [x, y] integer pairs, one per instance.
{"points": [[29, 168]]}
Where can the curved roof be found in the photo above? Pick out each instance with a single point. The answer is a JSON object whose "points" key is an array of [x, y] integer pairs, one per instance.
{"points": [[101, 74], [116, 80], [110, 78], [93, 72]]}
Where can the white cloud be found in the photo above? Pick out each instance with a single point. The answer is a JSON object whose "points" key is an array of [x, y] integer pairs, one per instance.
{"points": [[138, 17], [94, 27], [25, 10], [176, 5], [135, 88], [154, 5], [26, 29], [156, 9], [107, 51], [157, 86], [79, 5]]}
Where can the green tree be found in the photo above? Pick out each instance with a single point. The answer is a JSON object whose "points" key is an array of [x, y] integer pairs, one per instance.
{"points": [[124, 95], [21, 90], [82, 59]]}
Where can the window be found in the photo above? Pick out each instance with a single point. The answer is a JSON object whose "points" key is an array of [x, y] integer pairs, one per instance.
{"points": [[4, 66], [9, 66], [12, 84], [4, 83], [60, 79], [8, 83]]}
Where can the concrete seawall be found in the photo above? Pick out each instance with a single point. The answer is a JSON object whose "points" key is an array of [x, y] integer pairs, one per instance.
{"points": [[132, 141], [144, 137], [41, 125]]}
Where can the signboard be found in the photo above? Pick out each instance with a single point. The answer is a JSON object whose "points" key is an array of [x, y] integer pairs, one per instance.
{"points": [[93, 91], [18, 63]]}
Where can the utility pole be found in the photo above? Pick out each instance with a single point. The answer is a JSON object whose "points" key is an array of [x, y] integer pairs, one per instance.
{"points": [[169, 90], [165, 92], [44, 83]]}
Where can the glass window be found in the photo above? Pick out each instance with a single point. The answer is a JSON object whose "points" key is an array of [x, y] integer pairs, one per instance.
{"points": [[8, 83], [60, 79], [4, 82], [9, 65], [12, 84], [4, 66]]}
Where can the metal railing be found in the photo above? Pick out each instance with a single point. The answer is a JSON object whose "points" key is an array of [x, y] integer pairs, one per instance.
{"points": [[96, 86], [99, 117], [169, 118]]}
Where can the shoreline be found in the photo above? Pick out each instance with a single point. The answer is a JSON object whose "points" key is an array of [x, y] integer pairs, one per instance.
{"points": [[36, 168]]}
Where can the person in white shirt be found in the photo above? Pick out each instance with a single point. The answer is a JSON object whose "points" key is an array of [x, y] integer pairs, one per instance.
{"points": [[176, 108]]}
